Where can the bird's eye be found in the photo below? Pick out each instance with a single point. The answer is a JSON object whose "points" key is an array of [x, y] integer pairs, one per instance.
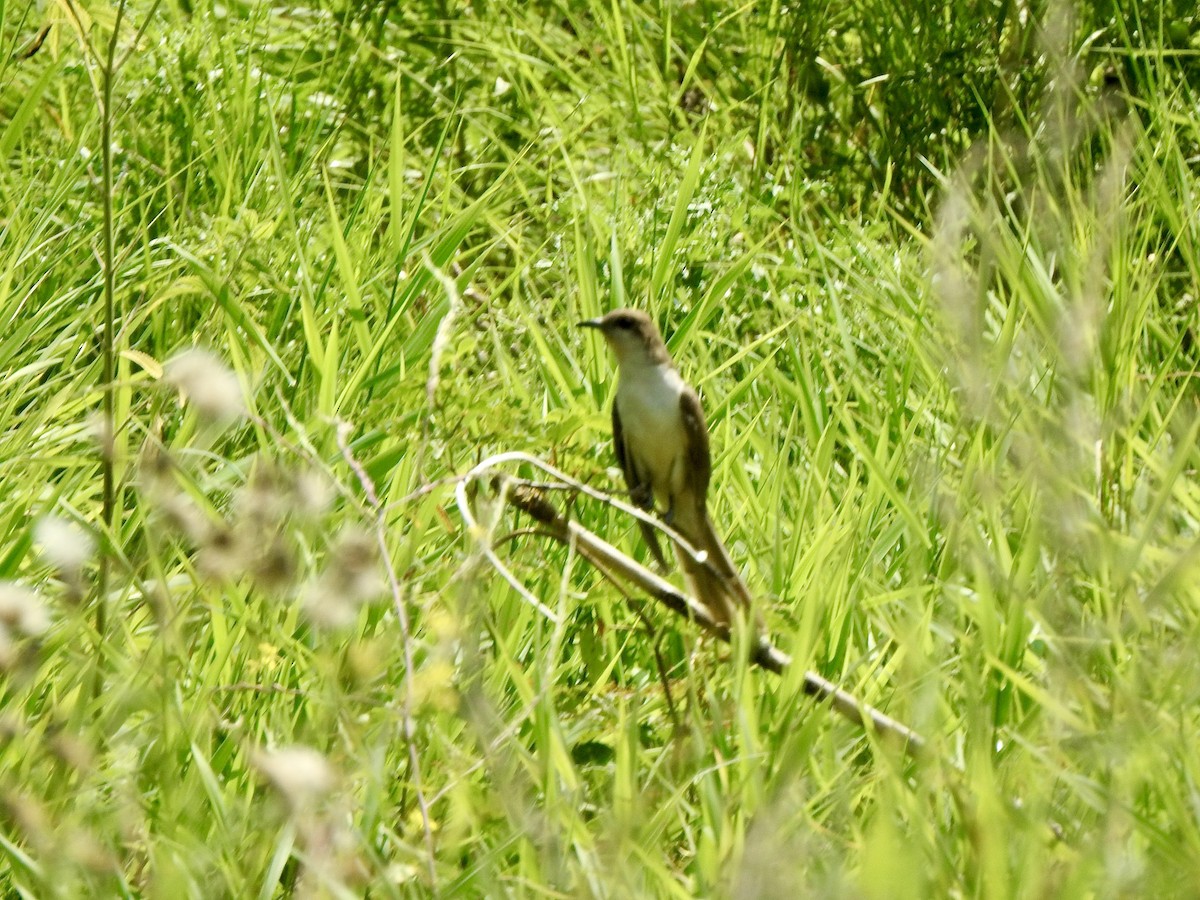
{"points": [[625, 322]]}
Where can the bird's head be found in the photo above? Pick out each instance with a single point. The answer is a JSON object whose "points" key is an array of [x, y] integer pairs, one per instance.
{"points": [[632, 335]]}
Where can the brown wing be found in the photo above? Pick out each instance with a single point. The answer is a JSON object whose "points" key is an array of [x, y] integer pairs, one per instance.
{"points": [[716, 582], [640, 491], [699, 459]]}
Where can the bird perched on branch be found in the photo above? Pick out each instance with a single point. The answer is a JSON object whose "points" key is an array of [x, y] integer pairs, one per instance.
{"points": [[662, 447]]}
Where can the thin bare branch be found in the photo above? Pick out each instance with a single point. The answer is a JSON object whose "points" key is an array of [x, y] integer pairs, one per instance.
{"points": [[608, 559], [407, 703]]}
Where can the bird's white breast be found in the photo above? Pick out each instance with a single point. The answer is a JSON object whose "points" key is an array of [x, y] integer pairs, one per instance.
{"points": [[648, 399]]}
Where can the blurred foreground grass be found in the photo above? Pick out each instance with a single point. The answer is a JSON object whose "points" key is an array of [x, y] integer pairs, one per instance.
{"points": [[941, 310]]}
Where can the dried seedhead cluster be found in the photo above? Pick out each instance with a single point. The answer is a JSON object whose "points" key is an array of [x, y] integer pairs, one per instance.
{"points": [[271, 528]]}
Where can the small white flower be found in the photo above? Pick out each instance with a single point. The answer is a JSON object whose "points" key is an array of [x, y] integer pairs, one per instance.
{"points": [[207, 382]]}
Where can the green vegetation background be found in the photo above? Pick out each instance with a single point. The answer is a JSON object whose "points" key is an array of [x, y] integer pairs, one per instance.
{"points": [[933, 269]]}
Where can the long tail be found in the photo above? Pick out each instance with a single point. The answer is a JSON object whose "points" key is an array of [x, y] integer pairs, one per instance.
{"points": [[715, 582]]}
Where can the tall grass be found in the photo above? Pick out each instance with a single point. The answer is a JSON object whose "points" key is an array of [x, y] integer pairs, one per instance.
{"points": [[949, 377]]}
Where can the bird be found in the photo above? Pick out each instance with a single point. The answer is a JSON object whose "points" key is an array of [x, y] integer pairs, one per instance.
{"points": [[662, 447]]}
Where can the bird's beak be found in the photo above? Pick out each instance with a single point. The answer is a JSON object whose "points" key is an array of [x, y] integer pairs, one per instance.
{"points": [[591, 323]]}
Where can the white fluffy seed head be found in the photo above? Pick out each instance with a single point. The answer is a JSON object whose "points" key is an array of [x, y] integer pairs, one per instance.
{"points": [[352, 577], [21, 610], [207, 383], [313, 493], [300, 774], [64, 544]]}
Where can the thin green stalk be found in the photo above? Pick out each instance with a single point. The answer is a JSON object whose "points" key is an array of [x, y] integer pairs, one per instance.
{"points": [[108, 351]]}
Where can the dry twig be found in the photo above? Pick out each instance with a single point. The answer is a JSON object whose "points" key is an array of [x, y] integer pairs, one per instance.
{"points": [[532, 499]]}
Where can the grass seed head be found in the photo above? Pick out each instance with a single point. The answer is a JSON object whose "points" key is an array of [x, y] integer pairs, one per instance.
{"points": [[21, 610], [64, 545], [207, 383], [301, 775]]}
